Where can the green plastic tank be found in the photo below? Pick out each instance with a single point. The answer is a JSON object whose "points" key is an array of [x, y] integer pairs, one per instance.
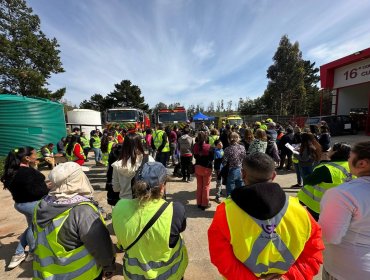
{"points": [[28, 121]]}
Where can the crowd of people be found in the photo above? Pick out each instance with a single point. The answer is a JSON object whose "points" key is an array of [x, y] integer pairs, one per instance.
{"points": [[258, 232]]}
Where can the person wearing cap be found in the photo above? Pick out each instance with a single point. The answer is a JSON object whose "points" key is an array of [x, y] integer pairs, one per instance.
{"points": [[72, 240], [159, 252], [261, 233]]}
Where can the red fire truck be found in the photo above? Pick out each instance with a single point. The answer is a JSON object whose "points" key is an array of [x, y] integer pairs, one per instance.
{"points": [[176, 116], [127, 118]]}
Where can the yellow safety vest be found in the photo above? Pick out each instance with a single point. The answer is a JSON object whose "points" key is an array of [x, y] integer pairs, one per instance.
{"points": [[151, 257], [96, 143], [212, 139], [311, 195], [158, 138], [105, 156], [268, 246], [52, 261], [85, 142], [72, 156]]}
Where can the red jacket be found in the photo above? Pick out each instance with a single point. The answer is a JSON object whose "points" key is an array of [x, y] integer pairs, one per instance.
{"points": [[78, 152], [222, 255]]}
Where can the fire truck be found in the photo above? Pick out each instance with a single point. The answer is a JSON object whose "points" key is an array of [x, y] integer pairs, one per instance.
{"points": [[127, 118], [171, 117]]}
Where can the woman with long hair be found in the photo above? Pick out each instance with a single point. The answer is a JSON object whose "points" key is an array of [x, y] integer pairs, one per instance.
{"points": [[259, 144], [203, 154], [106, 147], [125, 168], [248, 138], [327, 175], [162, 244], [27, 186], [309, 154], [74, 151], [233, 157]]}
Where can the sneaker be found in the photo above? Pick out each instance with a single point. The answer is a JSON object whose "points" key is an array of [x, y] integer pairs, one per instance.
{"points": [[29, 257], [16, 260]]}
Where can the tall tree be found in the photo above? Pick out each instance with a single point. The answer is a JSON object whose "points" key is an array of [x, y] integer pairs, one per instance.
{"points": [[27, 56], [127, 95], [97, 102], [286, 87], [229, 105]]}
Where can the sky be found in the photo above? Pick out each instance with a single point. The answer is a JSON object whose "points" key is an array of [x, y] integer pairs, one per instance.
{"points": [[192, 51]]}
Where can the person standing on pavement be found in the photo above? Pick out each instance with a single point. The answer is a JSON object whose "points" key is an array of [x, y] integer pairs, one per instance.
{"points": [[186, 144], [74, 150], [85, 144], [327, 175], [285, 152], [149, 229], [259, 143], [95, 144], [218, 156], [345, 221], [161, 145], [72, 241], [260, 233], [203, 154], [172, 137], [233, 157], [27, 186], [125, 168]]}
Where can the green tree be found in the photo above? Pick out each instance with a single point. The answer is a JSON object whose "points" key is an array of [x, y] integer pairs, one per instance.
{"points": [[27, 56], [97, 102], [126, 95], [286, 87]]}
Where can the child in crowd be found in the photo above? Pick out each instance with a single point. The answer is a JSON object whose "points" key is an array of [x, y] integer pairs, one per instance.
{"points": [[218, 155]]}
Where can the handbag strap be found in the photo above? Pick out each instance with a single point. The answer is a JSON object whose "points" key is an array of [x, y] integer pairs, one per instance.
{"points": [[138, 173], [149, 224]]}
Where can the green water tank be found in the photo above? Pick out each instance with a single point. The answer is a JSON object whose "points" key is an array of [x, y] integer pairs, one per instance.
{"points": [[28, 121]]}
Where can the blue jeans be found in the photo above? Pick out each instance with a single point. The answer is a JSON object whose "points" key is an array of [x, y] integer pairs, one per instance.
{"points": [[26, 238], [98, 154], [297, 169], [306, 171], [234, 179]]}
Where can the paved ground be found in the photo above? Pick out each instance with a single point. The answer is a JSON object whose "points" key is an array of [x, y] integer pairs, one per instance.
{"points": [[13, 223]]}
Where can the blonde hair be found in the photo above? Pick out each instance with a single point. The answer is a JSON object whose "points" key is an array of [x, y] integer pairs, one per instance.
{"points": [[261, 135], [234, 138]]}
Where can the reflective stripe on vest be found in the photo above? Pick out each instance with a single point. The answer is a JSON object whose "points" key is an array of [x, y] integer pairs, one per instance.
{"points": [[72, 157], [158, 139], [151, 257], [311, 195], [52, 261], [265, 246], [96, 143]]}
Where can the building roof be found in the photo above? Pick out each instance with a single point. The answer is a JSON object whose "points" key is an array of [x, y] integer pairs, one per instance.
{"points": [[327, 70]]}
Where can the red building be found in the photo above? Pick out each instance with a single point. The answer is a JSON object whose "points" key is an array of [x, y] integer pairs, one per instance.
{"points": [[349, 80]]}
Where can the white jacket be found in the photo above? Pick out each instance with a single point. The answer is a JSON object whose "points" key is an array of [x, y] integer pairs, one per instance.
{"points": [[122, 176]]}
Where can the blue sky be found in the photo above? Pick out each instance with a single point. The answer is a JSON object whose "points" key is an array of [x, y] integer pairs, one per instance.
{"points": [[192, 51]]}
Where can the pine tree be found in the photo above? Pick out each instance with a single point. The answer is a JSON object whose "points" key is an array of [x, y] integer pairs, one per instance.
{"points": [[27, 56]]}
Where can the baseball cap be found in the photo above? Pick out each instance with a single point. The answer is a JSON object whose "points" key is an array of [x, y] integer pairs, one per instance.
{"points": [[153, 173]]}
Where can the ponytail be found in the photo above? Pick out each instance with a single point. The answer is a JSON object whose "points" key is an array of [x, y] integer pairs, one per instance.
{"points": [[12, 163]]}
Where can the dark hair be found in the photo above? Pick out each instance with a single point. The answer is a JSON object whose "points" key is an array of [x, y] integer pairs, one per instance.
{"points": [[145, 194], [12, 162], [132, 146], [362, 151], [324, 129], [341, 152], [74, 139], [202, 137], [259, 167], [148, 131], [310, 144], [186, 130], [76, 129], [217, 141], [289, 129], [92, 132], [104, 143]]}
